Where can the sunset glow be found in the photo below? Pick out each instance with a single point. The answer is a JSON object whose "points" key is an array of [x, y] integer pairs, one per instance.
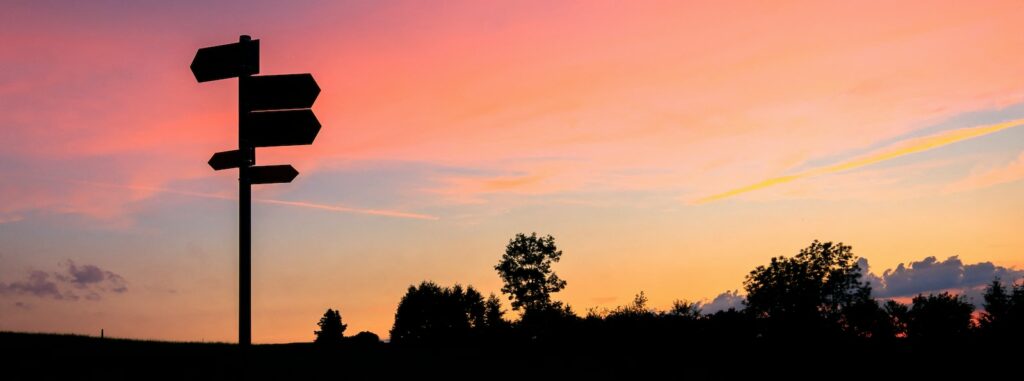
{"points": [[668, 146], [900, 149]]}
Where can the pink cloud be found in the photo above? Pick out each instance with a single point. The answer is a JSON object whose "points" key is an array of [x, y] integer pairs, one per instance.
{"points": [[984, 178]]}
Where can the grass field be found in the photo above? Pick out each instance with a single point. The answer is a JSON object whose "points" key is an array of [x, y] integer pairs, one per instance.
{"points": [[32, 356], [47, 356]]}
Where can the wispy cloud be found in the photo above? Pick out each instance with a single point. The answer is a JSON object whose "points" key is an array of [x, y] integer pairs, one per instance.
{"points": [[7, 217], [983, 179], [903, 148], [300, 204], [343, 209]]}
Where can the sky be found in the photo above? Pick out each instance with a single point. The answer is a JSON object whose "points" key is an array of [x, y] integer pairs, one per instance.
{"points": [[669, 147]]}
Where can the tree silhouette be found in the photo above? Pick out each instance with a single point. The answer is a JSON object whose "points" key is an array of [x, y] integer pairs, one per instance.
{"points": [[331, 329], [494, 316], [939, 317], [526, 270], [811, 291], [813, 306], [433, 314], [898, 315], [366, 338], [1004, 311], [635, 311], [867, 318], [472, 303], [997, 304], [1014, 321], [685, 310]]}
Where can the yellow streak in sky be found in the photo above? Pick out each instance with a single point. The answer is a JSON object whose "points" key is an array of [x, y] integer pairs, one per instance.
{"points": [[893, 151], [345, 209]]}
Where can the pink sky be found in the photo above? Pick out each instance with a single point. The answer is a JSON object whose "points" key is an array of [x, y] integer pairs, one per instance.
{"points": [[597, 122]]}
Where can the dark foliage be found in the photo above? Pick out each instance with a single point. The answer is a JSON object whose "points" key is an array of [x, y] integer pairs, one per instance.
{"points": [[817, 292], [812, 306], [809, 315], [526, 270], [898, 315], [431, 314], [998, 303], [1003, 319], [941, 317], [365, 338], [332, 331]]}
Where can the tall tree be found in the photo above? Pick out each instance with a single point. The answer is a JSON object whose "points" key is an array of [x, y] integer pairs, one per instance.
{"points": [[331, 328], [526, 270], [997, 305], [1003, 318], [816, 285]]}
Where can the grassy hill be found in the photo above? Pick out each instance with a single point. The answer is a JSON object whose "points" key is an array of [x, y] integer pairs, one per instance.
{"points": [[30, 356], [57, 355]]}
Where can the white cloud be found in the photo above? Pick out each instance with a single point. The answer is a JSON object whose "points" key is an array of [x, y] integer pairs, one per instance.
{"points": [[724, 301]]}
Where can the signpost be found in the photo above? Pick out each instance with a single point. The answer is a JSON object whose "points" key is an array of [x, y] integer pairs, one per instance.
{"points": [[271, 174], [282, 128], [226, 159], [276, 92], [227, 61], [273, 110]]}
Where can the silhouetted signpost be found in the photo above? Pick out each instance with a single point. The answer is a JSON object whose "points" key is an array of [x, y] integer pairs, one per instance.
{"points": [[270, 174], [226, 159], [273, 110]]}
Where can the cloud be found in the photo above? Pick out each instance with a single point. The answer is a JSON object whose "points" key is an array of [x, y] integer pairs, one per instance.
{"points": [[903, 148], [71, 283], [38, 284], [629, 103], [524, 177], [84, 275], [345, 209], [88, 276], [930, 275], [300, 204], [983, 179], [724, 301], [926, 276]]}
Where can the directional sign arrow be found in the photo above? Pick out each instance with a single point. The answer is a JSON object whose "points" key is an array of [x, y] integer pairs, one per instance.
{"points": [[227, 61], [270, 174], [226, 159], [281, 128], [277, 92]]}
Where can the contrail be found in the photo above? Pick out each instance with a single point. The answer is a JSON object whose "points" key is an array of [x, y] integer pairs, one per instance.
{"points": [[344, 209], [893, 151], [301, 204]]}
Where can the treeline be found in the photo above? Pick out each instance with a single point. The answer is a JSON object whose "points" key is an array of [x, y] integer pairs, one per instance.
{"points": [[812, 301]]}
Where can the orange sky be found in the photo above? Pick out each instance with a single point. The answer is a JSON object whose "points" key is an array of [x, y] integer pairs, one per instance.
{"points": [[624, 129]]}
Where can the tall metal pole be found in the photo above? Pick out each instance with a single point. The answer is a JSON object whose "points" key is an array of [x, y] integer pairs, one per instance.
{"points": [[244, 217]]}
